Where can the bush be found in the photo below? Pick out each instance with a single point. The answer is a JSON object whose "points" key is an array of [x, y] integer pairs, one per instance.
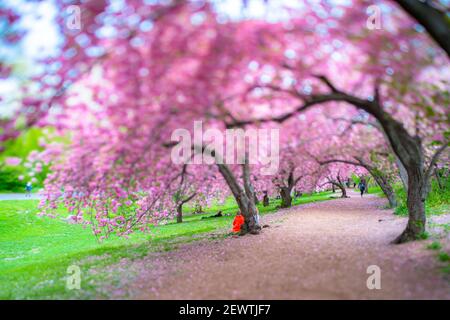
{"points": [[9, 179], [435, 245], [444, 257], [20, 148]]}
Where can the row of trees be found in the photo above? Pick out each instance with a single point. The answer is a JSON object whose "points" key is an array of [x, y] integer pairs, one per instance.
{"points": [[344, 97]]}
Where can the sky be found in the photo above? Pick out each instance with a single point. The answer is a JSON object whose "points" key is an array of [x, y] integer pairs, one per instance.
{"points": [[42, 37]]}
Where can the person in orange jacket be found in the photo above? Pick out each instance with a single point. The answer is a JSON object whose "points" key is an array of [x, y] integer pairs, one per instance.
{"points": [[238, 222]]}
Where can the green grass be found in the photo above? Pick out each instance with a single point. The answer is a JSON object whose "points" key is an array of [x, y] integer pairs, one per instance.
{"points": [[438, 200], [444, 257], [20, 148], [376, 190], [435, 245], [35, 252], [441, 255]]}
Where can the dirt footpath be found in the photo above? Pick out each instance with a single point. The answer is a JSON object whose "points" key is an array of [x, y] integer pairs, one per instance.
{"points": [[314, 251]]}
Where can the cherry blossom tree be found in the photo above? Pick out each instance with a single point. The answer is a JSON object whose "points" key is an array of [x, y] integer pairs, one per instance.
{"points": [[135, 72], [395, 79], [298, 170], [118, 156], [364, 147]]}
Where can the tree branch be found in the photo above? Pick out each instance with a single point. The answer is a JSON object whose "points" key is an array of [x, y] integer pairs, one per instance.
{"points": [[327, 82], [370, 106], [433, 20], [339, 160], [188, 198], [434, 160]]}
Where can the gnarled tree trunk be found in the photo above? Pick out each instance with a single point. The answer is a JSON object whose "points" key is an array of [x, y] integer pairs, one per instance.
{"points": [[244, 197], [286, 189], [265, 199], [180, 204], [343, 190], [387, 189], [341, 186], [382, 181], [179, 213], [402, 173], [438, 178], [338, 184], [416, 208], [286, 199]]}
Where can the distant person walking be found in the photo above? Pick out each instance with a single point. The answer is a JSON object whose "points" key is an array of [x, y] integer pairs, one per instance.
{"points": [[362, 187], [28, 189]]}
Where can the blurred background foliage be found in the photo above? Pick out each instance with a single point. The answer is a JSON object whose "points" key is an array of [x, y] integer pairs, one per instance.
{"points": [[13, 178]]}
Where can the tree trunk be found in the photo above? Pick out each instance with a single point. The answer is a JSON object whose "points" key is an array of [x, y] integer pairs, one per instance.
{"points": [[180, 206], [400, 166], [244, 198], [332, 188], [410, 152], [266, 200], [248, 210], [416, 208], [179, 213], [438, 178], [286, 199], [256, 198], [343, 190], [387, 189], [367, 185], [341, 186], [402, 172], [251, 224]]}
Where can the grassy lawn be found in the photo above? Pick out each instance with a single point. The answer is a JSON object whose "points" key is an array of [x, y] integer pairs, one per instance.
{"points": [[376, 190], [438, 200], [35, 252]]}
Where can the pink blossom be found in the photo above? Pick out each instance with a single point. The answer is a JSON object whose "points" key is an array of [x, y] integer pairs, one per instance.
{"points": [[13, 161]]}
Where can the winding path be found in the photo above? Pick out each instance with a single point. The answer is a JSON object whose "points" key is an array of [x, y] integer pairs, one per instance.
{"points": [[314, 251]]}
